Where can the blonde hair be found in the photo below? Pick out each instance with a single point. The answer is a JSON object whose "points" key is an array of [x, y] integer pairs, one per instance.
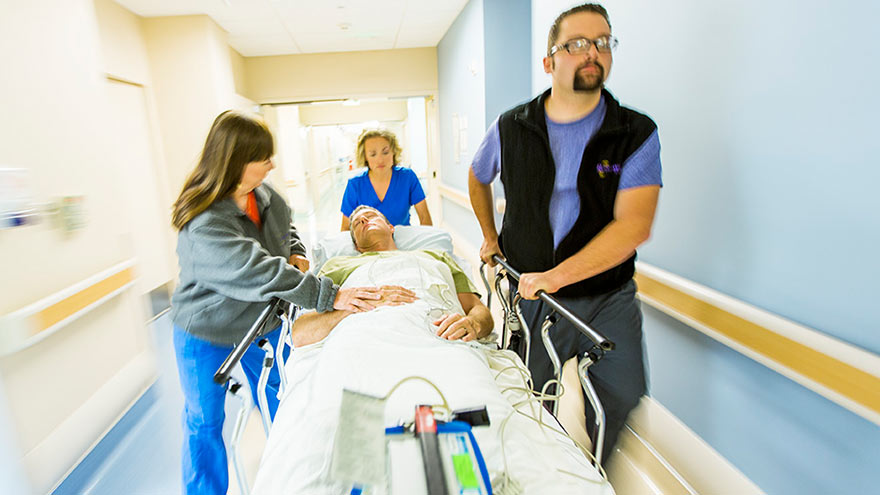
{"points": [[235, 139], [373, 133]]}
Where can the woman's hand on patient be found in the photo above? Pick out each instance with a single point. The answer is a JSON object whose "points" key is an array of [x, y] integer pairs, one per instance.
{"points": [[368, 298], [300, 262], [455, 326], [395, 295], [357, 299]]}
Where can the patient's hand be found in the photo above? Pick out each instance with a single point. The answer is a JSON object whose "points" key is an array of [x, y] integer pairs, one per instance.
{"points": [[455, 326], [395, 295]]}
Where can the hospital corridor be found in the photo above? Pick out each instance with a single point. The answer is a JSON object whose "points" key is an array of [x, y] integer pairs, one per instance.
{"points": [[469, 247]]}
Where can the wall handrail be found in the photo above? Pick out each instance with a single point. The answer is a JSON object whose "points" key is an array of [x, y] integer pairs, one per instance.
{"points": [[455, 195], [27, 326], [839, 371]]}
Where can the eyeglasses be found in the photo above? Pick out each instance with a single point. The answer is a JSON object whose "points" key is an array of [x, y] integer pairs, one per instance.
{"points": [[578, 46]]}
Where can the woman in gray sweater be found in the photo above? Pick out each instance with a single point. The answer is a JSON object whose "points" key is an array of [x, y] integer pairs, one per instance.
{"points": [[237, 248]]}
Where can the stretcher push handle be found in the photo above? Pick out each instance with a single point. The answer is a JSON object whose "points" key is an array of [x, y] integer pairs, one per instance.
{"points": [[585, 329], [222, 374]]}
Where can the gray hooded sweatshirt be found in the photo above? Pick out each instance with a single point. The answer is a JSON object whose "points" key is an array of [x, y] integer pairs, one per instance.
{"points": [[230, 269]]}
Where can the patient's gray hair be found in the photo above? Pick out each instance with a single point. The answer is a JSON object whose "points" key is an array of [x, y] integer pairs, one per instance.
{"points": [[351, 224]]}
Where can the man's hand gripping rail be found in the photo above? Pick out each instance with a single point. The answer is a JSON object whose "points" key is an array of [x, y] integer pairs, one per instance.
{"points": [[593, 335]]}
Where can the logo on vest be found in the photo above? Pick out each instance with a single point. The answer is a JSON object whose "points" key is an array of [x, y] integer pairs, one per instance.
{"points": [[604, 169]]}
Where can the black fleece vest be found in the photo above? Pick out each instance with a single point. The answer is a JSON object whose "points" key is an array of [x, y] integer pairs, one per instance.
{"points": [[528, 173]]}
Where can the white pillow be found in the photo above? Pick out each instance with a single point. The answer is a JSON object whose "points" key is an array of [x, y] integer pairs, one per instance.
{"points": [[406, 237]]}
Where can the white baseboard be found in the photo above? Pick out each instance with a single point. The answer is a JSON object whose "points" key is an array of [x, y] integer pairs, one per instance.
{"points": [[666, 457]]}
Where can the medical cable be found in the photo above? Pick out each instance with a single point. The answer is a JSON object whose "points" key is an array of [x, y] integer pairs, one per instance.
{"points": [[533, 399], [545, 426], [443, 407], [443, 294], [505, 485], [531, 396]]}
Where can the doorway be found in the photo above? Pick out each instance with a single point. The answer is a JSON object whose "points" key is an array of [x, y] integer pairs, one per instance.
{"points": [[316, 146]]}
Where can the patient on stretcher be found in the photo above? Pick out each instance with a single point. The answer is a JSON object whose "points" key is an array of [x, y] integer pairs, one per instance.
{"points": [[427, 324], [453, 308]]}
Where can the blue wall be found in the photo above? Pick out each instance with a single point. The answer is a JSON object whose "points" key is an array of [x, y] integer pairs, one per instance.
{"points": [[766, 113], [483, 69], [508, 58], [507, 53], [460, 72], [784, 437], [768, 121]]}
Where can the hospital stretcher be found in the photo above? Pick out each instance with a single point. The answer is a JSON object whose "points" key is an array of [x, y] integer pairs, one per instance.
{"points": [[514, 327]]}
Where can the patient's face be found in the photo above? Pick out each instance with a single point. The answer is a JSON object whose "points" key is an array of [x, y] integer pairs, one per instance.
{"points": [[369, 226]]}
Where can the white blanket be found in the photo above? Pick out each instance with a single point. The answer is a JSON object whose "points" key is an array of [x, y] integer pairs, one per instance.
{"points": [[371, 352]]}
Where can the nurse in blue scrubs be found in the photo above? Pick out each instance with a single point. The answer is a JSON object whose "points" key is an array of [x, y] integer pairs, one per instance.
{"points": [[384, 185]]}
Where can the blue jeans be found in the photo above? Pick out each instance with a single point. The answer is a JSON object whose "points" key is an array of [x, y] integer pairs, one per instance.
{"points": [[205, 468]]}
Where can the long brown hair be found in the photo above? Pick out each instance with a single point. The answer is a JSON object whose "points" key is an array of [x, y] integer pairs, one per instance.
{"points": [[235, 140]]}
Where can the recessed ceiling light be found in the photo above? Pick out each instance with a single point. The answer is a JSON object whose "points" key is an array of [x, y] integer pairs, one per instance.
{"points": [[344, 26]]}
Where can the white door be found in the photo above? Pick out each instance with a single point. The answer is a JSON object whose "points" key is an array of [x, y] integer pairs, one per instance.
{"points": [[136, 170]]}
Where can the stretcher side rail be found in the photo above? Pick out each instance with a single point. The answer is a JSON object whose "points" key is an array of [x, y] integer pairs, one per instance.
{"points": [[273, 308], [222, 376], [514, 321]]}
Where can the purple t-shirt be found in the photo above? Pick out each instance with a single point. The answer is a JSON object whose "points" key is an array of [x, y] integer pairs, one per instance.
{"points": [[567, 144]]}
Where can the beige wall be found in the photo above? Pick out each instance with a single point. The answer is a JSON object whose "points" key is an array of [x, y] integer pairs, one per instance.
{"points": [[238, 74], [123, 51], [193, 83], [290, 173], [295, 78], [137, 149], [85, 82], [393, 110], [51, 110], [66, 390]]}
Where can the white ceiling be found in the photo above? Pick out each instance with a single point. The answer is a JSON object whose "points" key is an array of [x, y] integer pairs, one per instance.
{"points": [[278, 27]]}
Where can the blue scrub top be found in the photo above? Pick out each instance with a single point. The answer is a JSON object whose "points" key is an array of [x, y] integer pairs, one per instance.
{"points": [[403, 192]]}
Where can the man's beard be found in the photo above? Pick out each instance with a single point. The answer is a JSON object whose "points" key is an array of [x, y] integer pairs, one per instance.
{"points": [[590, 82]]}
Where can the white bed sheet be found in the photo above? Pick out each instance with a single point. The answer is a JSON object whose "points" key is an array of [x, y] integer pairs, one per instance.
{"points": [[369, 353]]}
